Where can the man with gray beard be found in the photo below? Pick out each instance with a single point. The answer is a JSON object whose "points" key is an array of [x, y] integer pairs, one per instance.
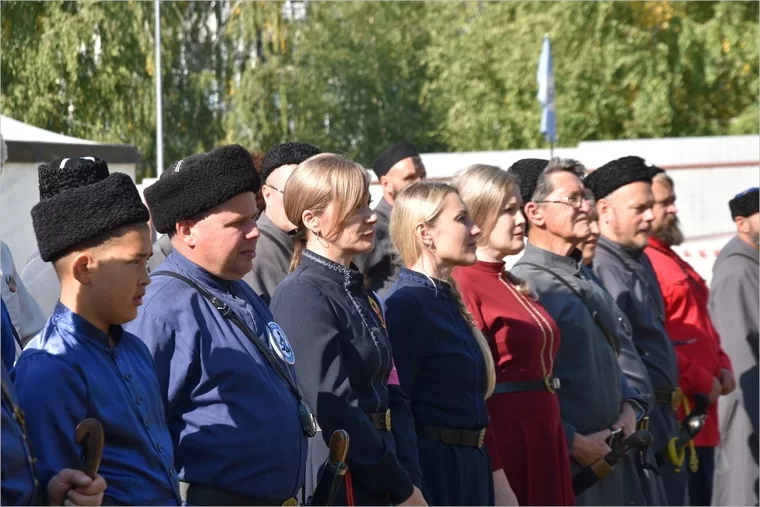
{"points": [[703, 366]]}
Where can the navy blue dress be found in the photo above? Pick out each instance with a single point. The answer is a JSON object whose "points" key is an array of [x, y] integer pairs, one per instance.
{"points": [[442, 368], [344, 363]]}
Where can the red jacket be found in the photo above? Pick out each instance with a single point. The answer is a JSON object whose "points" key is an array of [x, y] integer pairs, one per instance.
{"points": [[700, 356]]}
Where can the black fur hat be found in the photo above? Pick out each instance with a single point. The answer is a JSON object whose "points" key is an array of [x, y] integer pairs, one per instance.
{"points": [[745, 204], [392, 156], [286, 154], [67, 173], [528, 170], [200, 182], [619, 173], [80, 201]]}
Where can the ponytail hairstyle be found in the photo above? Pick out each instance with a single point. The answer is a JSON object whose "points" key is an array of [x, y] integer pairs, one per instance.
{"points": [[421, 203], [482, 188], [316, 183]]}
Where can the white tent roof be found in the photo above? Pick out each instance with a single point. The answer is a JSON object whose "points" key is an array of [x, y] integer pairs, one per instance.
{"points": [[14, 130]]}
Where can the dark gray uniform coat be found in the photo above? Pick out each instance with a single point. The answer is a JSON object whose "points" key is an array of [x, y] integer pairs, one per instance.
{"points": [[634, 370], [734, 307], [593, 386], [629, 278], [274, 250]]}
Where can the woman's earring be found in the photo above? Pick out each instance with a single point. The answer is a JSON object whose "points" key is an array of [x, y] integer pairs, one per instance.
{"points": [[320, 240]]}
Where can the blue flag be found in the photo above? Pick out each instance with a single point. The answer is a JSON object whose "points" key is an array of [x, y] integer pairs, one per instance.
{"points": [[545, 79]]}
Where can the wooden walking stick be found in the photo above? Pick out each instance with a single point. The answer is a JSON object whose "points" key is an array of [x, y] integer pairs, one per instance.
{"points": [[89, 435]]}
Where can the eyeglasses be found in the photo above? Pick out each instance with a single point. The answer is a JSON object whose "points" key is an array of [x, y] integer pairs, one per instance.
{"points": [[274, 188], [576, 201]]}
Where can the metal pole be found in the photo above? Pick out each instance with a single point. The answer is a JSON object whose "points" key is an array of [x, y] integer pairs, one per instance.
{"points": [[551, 149], [159, 115]]}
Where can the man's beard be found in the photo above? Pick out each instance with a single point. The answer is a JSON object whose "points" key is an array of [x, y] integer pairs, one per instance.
{"points": [[669, 233]]}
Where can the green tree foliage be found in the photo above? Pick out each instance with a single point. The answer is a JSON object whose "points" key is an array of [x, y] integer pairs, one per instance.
{"points": [[355, 76]]}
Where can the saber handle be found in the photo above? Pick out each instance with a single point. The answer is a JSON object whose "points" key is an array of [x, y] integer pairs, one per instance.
{"points": [[89, 434], [339, 442]]}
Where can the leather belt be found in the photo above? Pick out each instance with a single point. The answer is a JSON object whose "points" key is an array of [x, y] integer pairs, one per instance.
{"points": [[549, 384], [451, 436], [201, 495], [670, 398], [381, 420]]}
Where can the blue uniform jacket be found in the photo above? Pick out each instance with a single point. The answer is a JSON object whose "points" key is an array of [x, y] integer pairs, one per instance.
{"points": [[19, 482], [233, 420], [439, 363], [70, 372], [344, 361]]}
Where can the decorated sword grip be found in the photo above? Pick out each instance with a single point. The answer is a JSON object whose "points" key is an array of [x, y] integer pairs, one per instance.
{"points": [[602, 467], [334, 472], [339, 446], [89, 434]]}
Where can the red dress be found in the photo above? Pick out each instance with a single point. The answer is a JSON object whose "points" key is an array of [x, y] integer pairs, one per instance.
{"points": [[525, 437]]}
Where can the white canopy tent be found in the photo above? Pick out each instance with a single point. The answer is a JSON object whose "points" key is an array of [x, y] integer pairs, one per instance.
{"points": [[28, 147]]}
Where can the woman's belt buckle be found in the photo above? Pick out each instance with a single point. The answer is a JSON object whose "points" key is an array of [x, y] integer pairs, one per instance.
{"points": [[676, 398], [387, 419], [551, 383], [481, 438]]}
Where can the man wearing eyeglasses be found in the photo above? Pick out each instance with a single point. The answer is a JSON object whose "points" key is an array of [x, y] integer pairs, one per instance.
{"points": [[624, 201], [594, 395], [275, 246]]}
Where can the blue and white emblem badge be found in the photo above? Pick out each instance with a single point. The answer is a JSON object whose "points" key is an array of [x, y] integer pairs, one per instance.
{"points": [[279, 343]]}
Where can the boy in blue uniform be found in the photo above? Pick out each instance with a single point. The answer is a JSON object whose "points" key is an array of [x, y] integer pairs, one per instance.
{"points": [[233, 408], [93, 227]]}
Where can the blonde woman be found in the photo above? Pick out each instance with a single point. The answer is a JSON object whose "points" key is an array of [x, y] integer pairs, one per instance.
{"points": [[443, 363], [336, 328], [525, 415]]}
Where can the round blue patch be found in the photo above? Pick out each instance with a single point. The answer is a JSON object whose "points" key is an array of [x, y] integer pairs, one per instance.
{"points": [[279, 343]]}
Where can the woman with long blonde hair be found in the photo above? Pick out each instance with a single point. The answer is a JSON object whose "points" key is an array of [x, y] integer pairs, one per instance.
{"points": [[528, 446], [344, 361], [443, 361]]}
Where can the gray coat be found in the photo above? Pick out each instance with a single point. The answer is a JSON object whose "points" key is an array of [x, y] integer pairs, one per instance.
{"points": [[593, 386], [274, 250], [629, 278], [734, 307], [381, 265], [636, 372]]}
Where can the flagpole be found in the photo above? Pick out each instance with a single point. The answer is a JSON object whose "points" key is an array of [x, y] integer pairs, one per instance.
{"points": [[159, 115]]}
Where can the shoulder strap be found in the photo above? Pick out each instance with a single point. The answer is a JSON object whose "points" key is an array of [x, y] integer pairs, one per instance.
{"points": [[227, 313], [609, 336], [271, 238]]}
